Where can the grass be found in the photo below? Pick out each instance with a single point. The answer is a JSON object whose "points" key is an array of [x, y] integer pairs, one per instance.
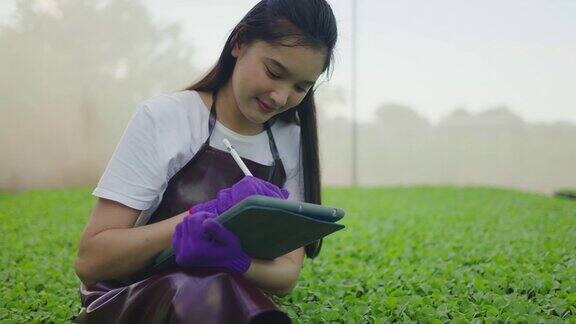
{"points": [[427, 254]]}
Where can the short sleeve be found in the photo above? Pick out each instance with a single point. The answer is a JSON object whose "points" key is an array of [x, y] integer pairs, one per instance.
{"points": [[134, 176]]}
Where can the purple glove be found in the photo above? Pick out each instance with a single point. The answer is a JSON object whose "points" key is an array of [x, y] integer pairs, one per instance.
{"points": [[246, 187], [201, 241]]}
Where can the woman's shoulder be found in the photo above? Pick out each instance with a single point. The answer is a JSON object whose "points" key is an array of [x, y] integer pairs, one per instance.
{"points": [[287, 136], [179, 120], [287, 129], [174, 106]]}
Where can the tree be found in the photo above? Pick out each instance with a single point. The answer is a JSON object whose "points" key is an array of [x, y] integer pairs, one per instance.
{"points": [[392, 115], [71, 79]]}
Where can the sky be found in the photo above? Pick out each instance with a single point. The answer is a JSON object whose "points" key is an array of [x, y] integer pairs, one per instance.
{"points": [[433, 56]]}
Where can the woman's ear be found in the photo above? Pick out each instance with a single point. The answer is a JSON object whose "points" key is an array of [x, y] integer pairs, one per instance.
{"points": [[235, 46], [235, 50]]}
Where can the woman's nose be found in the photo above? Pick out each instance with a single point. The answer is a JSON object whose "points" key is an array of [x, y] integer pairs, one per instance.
{"points": [[279, 97]]}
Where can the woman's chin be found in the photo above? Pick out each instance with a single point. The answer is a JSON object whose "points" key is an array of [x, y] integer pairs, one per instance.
{"points": [[256, 118]]}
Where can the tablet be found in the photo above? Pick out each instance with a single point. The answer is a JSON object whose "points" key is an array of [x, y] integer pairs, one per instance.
{"points": [[268, 228], [319, 212]]}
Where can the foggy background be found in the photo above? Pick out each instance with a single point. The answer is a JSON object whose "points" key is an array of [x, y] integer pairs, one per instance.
{"points": [[455, 93]]}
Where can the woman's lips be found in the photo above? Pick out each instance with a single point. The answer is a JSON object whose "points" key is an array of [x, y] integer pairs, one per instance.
{"points": [[263, 106]]}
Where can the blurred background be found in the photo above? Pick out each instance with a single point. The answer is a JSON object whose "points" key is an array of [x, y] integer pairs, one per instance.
{"points": [[446, 92]]}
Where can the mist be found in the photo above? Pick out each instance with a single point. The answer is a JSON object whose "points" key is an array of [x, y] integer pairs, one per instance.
{"points": [[72, 77]]}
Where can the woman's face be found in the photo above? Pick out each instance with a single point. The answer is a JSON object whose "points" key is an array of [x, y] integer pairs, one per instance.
{"points": [[278, 76]]}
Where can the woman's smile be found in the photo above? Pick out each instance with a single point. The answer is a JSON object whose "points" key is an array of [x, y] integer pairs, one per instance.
{"points": [[263, 107]]}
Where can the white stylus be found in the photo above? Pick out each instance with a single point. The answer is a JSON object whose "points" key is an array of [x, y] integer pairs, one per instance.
{"points": [[236, 157]]}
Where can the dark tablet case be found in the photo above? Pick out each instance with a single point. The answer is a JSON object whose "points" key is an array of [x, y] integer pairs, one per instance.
{"points": [[267, 228]]}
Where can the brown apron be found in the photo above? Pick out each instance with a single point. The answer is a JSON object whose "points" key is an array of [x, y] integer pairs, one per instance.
{"points": [[203, 294]]}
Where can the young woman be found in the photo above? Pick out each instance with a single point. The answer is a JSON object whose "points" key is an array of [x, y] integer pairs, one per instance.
{"points": [[170, 176]]}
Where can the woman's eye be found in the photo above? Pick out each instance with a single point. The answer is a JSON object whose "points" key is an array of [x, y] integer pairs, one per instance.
{"points": [[275, 77], [272, 75]]}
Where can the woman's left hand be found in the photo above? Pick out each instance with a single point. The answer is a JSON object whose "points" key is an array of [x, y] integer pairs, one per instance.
{"points": [[201, 241]]}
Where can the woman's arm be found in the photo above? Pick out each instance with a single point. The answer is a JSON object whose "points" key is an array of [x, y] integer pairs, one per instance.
{"points": [[278, 276], [112, 248]]}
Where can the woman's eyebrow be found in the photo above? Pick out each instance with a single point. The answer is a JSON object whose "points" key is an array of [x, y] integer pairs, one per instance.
{"points": [[282, 67]]}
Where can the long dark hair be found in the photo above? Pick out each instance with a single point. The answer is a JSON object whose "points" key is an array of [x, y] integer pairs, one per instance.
{"points": [[309, 23]]}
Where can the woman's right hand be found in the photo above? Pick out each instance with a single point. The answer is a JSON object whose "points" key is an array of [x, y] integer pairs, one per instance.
{"points": [[246, 187]]}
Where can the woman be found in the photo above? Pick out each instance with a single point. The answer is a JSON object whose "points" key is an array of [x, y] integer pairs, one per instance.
{"points": [[170, 176]]}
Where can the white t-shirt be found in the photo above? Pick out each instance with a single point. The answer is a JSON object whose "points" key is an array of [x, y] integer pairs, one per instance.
{"points": [[165, 132]]}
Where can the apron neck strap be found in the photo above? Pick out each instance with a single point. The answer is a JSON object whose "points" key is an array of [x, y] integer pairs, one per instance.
{"points": [[212, 123]]}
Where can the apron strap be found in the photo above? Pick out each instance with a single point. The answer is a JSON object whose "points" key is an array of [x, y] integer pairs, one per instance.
{"points": [[212, 121], [271, 141]]}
